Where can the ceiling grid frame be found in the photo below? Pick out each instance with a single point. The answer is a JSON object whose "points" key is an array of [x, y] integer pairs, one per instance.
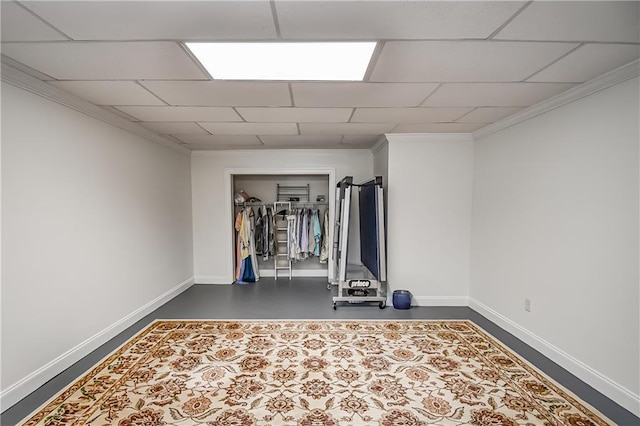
{"points": [[26, 9], [578, 47], [508, 21], [463, 26]]}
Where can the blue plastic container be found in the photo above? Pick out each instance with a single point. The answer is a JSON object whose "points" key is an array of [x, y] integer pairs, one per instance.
{"points": [[401, 299]]}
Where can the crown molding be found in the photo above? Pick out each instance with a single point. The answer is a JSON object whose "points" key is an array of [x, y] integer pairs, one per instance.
{"points": [[429, 137], [279, 151], [33, 85], [379, 144], [616, 76]]}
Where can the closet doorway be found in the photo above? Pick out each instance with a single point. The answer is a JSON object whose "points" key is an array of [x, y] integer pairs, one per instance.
{"points": [[263, 184]]}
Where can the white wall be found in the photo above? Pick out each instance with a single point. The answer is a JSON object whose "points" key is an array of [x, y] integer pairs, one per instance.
{"points": [[555, 220], [429, 216], [381, 164], [212, 249], [381, 168], [96, 223]]}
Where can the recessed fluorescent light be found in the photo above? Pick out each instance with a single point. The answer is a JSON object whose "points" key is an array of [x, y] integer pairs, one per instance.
{"points": [[284, 60]]}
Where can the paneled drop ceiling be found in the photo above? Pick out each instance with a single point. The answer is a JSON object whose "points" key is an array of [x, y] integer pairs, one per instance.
{"points": [[440, 66]]}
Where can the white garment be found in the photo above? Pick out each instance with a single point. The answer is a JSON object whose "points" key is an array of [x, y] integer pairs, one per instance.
{"points": [[324, 251]]}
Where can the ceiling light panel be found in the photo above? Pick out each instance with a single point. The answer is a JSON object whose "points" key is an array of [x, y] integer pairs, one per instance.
{"points": [[376, 20], [20, 25], [159, 20], [285, 61], [608, 21], [221, 93], [169, 113], [109, 92], [360, 94], [294, 115], [106, 61], [494, 94], [464, 61]]}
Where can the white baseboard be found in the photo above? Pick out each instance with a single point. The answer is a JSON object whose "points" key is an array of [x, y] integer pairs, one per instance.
{"points": [[604, 385], [203, 279], [33, 381], [439, 301], [432, 300]]}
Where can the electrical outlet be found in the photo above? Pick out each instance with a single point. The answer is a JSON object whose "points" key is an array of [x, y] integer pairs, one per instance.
{"points": [[527, 305]]}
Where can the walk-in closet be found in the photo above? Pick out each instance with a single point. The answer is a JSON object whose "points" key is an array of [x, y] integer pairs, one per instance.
{"points": [[281, 226]]}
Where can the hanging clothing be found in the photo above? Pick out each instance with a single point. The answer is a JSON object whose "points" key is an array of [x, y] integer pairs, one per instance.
{"points": [[304, 234], [267, 239], [324, 251], [246, 260], [259, 232], [291, 232], [249, 275], [238, 226], [317, 233], [252, 242], [312, 241]]}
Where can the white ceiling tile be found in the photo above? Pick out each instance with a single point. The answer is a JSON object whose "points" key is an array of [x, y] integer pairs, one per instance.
{"points": [[170, 113], [345, 128], [291, 115], [159, 20], [109, 92], [494, 94], [465, 61], [221, 93], [587, 62], [488, 114], [106, 61], [407, 115], [223, 140], [19, 24], [375, 20], [615, 21], [251, 128], [174, 128], [438, 127], [360, 141], [302, 140], [360, 94]]}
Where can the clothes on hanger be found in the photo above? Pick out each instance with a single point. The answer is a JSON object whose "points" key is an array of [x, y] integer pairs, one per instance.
{"points": [[246, 260], [324, 251], [256, 235], [317, 233], [305, 236]]}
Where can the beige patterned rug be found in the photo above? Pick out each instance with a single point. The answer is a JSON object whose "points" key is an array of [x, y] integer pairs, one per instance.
{"points": [[310, 373]]}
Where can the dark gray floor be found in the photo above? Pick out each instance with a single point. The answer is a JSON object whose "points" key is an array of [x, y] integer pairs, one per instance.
{"points": [[303, 298]]}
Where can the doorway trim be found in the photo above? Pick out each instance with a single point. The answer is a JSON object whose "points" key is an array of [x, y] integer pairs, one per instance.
{"points": [[229, 173]]}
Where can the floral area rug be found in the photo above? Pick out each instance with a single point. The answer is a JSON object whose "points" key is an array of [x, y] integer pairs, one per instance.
{"points": [[314, 373]]}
